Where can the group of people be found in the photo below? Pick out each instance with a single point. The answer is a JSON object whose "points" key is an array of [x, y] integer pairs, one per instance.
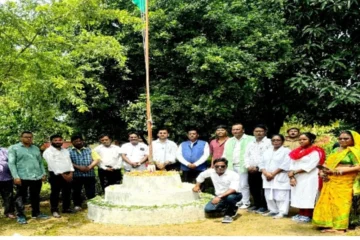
{"points": [[277, 172], [282, 172]]}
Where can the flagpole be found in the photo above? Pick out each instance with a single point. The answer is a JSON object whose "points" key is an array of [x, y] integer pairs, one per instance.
{"points": [[148, 107]]}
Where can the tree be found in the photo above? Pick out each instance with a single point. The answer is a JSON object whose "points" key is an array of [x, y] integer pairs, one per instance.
{"points": [[51, 53], [326, 59], [215, 62]]}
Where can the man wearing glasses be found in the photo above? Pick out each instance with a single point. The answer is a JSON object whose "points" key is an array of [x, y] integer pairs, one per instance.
{"points": [[226, 183]]}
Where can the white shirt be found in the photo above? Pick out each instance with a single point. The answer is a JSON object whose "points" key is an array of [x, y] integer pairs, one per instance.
{"points": [[237, 149], [254, 152], [229, 180], [134, 153], [303, 195], [273, 160], [201, 160], [58, 161], [110, 156], [164, 151]]}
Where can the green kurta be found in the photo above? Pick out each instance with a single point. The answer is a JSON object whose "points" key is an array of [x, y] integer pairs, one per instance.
{"points": [[26, 162]]}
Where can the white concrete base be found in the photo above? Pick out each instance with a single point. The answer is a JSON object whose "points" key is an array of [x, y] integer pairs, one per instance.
{"points": [[149, 200], [146, 216]]}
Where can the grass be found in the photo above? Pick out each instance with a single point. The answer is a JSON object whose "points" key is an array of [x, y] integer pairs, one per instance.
{"points": [[248, 224]]}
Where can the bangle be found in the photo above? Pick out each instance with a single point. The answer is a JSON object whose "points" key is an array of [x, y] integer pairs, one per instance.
{"points": [[219, 196]]}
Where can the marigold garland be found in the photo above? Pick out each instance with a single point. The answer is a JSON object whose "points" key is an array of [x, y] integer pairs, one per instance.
{"points": [[147, 173]]}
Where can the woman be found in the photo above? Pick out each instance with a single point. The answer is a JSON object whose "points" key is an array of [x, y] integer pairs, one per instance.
{"points": [[303, 176], [274, 166], [340, 184]]}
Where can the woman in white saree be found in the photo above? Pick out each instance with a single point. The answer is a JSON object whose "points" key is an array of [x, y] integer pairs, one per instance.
{"points": [[274, 166]]}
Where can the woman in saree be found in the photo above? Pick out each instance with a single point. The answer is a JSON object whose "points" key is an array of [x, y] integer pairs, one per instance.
{"points": [[341, 183], [303, 174]]}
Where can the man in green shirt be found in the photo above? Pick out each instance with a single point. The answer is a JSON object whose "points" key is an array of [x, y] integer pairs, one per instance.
{"points": [[27, 170]]}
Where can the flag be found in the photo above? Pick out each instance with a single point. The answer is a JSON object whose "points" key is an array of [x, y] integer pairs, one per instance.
{"points": [[140, 4]]}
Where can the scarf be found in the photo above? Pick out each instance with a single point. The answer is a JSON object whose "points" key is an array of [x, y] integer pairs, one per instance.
{"points": [[300, 152]]}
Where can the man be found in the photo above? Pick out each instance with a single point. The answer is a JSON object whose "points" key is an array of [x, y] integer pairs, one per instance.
{"points": [[164, 151], [292, 140], [217, 145], [252, 159], [60, 175], [84, 160], [192, 155], [28, 172], [226, 183], [110, 164], [234, 152], [134, 153], [6, 185]]}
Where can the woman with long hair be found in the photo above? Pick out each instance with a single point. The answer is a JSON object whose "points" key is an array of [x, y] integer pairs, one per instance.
{"points": [[303, 176], [341, 183]]}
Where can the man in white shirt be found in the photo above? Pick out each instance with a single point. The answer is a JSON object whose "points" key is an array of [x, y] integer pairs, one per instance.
{"points": [[60, 175], [234, 152], [110, 162], [253, 156], [226, 183], [134, 153], [164, 151], [192, 155]]}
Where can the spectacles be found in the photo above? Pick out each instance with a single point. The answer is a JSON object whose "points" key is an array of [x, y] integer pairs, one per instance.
{"points": [[276, 140], [345, 139], [221, 166]]}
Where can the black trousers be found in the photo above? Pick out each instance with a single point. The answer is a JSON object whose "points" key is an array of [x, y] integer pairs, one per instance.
{"points": [[256, 189], [7, 194], [108, 178], [34, 186], [78, 183], [58, 184], [190, 176]]}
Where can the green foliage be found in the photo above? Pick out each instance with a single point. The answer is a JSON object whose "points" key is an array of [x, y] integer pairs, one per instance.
{"points": [[326, 59], [212, 61], [50, 53]]}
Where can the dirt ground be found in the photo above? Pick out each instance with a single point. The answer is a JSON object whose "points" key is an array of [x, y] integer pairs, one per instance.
{"points": [[247, 224]]}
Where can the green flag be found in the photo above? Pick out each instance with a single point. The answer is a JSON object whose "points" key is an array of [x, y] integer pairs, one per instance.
{"points": [[140, 4]]}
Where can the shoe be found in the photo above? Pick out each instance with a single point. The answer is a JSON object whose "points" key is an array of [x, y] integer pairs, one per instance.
{"points": [[56, 215], [68, 211], [304, 219], [77, 209], [11, 216], [270, 214], [227, 219], [41, 216], [252, 209], [244, 206], [239, 204], [295, 218], [278, 216], [21, 220], [261, 210]]}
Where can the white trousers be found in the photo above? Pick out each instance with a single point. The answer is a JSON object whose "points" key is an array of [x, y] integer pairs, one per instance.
{"points": [[244, 186], [278, 200]]}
